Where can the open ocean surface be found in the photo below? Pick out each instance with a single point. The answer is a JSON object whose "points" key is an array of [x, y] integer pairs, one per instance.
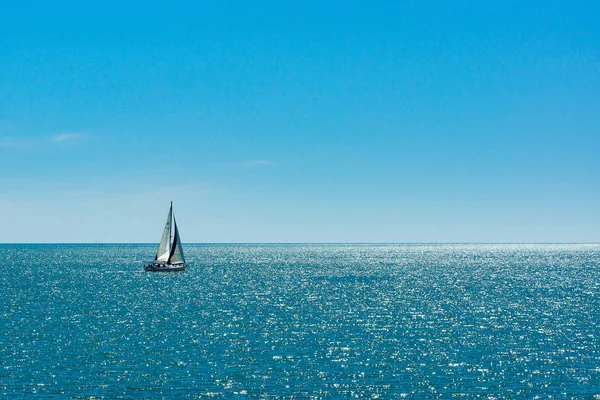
{"points": [[301, 321]]}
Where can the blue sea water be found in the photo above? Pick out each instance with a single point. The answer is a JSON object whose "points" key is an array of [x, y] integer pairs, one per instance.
{"points": [[301, 321]]}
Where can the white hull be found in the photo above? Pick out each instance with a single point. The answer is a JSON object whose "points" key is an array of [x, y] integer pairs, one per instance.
{"points": [[161, 267]]}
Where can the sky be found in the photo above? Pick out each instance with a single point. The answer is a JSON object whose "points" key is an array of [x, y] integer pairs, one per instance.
{"points": [[300, 121]]}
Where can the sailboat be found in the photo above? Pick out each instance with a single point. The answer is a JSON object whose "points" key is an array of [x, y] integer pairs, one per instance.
{"points": [[169, 256]]}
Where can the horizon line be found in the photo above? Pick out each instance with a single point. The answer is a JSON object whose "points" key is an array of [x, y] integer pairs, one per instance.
{"points": [[284, 243]]}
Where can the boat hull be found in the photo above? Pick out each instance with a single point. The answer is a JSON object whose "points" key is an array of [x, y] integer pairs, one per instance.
{"points": [[164, 267]]}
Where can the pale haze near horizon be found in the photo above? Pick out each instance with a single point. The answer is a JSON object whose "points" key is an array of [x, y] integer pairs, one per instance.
{"points": [[300, 123]]}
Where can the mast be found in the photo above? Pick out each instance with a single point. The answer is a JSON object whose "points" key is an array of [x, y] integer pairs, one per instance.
{"points": [[170, 225]]}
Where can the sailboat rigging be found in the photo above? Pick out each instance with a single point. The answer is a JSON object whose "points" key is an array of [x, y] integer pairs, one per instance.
{"points": [[169, 256]]}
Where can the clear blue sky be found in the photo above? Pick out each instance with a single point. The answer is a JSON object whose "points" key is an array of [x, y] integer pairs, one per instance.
{"points": [[311, 121]]}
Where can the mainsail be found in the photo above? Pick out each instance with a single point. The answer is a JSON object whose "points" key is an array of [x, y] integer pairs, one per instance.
{"points": [[176, 256], [164, 248]]}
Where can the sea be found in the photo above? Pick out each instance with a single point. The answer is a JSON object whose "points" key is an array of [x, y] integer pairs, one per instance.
{"points": [[301, 321]]}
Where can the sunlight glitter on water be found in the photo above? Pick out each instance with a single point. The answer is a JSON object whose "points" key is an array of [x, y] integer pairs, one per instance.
{"points": [[365, 321]]}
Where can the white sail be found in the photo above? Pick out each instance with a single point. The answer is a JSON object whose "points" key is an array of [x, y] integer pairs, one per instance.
{"points": [[176, 256], [164, 248]]}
